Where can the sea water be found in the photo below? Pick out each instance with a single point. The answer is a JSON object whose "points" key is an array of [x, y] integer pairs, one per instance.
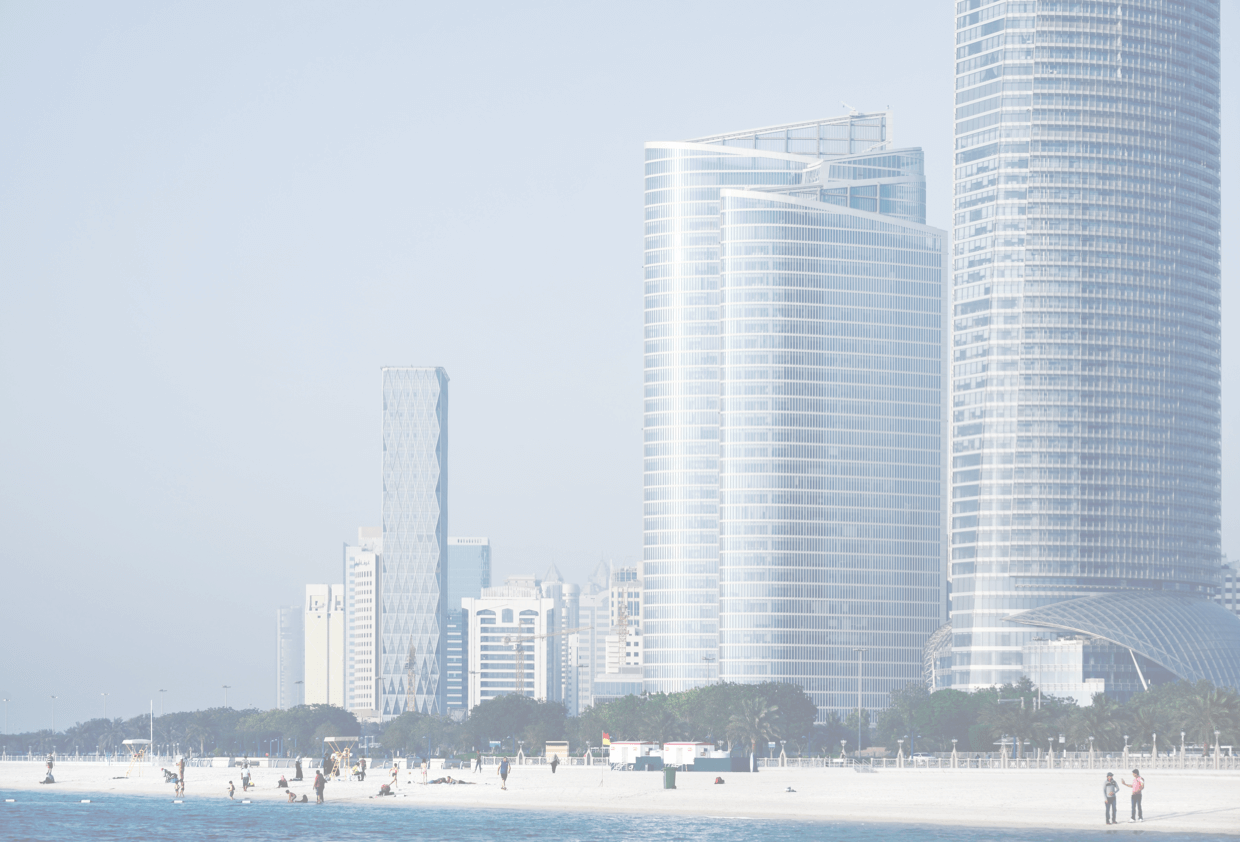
{"points": [[35, 816]]}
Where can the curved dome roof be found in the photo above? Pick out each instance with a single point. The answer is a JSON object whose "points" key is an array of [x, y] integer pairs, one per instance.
{"points": [[1193, 638]]}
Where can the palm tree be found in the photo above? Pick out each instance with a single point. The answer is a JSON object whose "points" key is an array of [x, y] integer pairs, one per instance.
{"points": [[1100, 719], [755, 721], [663, 725], [1144, 721], [1207, 710]]}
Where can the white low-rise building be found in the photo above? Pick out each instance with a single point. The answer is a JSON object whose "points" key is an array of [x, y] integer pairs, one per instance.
{"points": [[503, 615], [627, 752]]}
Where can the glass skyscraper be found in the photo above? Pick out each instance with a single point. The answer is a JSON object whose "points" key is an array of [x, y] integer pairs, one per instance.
{"points": [[415, 570], [1086, 358], [831, 429], [845, 242]]}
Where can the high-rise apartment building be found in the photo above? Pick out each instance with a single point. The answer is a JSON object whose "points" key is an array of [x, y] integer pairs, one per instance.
{"points": [[415, 568], [795, 410], [324, 626], [469, 568], [504, 619], [624, 620], [290, 656], [567, 597], [1086, 356], [362, 578], [587, 650]]}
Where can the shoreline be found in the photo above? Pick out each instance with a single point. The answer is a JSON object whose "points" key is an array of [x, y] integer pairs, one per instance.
{"points": [[1201, 803]]}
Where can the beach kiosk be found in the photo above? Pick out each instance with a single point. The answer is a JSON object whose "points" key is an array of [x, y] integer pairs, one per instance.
{"points": [[137, 748]]}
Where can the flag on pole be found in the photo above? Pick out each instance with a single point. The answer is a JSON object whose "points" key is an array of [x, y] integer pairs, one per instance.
{"points": [[606, 739]]}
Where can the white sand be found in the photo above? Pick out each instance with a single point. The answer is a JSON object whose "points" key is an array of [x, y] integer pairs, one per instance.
{"points": [[1175, 802]]}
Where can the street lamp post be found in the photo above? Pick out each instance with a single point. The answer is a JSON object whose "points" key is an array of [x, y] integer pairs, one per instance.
{"points": [[859, 652], [1091, 752], [1216, 750], [843, 751]]}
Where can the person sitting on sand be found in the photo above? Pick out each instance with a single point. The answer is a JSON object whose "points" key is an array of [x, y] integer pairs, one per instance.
{"points": [[305, 798], [283, 783], [48, 780], [386, 791], [292, 798]]}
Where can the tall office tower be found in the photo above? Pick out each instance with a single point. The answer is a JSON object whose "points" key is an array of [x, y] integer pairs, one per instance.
{"points": [[1086, 420], [362, 578], [290, 656], [624, 621], [469, 568], [682, 336], [323, 622], [832, 425], [567, 597], [588, 649], [416, 571], [516, 609]]}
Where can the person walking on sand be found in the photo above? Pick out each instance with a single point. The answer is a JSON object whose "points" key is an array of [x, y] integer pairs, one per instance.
{"points": [[555, 760], [231, 790], [320, 782], [361, 766], [478, 764], [395, 770], [503, 773], [1109, 789], [1138, 788]]}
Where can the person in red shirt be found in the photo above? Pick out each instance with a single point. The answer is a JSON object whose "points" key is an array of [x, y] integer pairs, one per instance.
{"points": [[1138, 788]]}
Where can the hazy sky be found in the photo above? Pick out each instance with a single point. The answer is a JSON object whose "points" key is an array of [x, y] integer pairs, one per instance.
{"points": [[218, 220]]}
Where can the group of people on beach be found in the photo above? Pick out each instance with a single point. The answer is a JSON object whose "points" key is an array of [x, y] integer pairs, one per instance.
{"points": [[1110, 790]]}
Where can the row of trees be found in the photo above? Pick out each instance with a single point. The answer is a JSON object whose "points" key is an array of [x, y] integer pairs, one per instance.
{"points": [[220, 731], [743, 716], [978, 720]]}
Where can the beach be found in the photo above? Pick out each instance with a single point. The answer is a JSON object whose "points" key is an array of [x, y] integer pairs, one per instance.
{"points": [[1176, 802]]}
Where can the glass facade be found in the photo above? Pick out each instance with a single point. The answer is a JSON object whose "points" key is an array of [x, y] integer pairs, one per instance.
{"points": [[469, 572], [415, 568], [831, 430], [1085, 359], [683, 181]]}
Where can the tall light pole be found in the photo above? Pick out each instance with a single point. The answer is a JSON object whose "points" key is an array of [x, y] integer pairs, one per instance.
{"points": [[104, 695], [226, 688], [161, 702], [859, 652]]}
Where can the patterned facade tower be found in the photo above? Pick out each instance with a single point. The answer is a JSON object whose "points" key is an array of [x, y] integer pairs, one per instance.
{"points": [[415, 539], [1086, 295], [680, 568]]}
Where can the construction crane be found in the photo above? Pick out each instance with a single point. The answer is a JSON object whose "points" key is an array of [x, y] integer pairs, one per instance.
{"points": [[518, 643], [411, 677]]}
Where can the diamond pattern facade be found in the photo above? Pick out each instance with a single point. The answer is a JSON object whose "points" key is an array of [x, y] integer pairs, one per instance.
{"points": [[415, 539]]}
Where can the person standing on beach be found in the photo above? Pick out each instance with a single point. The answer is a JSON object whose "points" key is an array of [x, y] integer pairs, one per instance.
{"points": [[297, 770], [361, 767], [1109, 789], [1138, 788], [320, 782], [425, 766], [231, 788], [181, 772], [555, 760], [478, 764], [503, 773], [395, 770]]}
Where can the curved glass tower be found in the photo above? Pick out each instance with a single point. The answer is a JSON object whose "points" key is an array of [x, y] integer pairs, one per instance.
{"points": [[681, 480], [831, 470], [1086, 359]]}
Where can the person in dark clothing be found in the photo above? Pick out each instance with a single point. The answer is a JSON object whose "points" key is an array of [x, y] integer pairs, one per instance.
{"points": [[320, 782], [327, 765], [361, 769], [385, 790], [555, 761], [283, 783], [503, 774], [478, 764], [1109, 789], [297, 771]]}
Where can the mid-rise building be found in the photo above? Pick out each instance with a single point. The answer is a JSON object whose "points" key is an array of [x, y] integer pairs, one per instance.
{"points": [[290, 656], [587, 650], [624, 621], [324, 625], [469, 567], [363, 575], [1228, 595], [567, 597], [506, 621], [1086, 348], [416, 571]]}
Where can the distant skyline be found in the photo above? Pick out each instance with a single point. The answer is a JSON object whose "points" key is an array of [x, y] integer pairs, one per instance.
{"points": [[217, 222]]}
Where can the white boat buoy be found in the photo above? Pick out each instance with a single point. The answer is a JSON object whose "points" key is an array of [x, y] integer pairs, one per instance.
{"points": [[9, 800], [178, 801], [243, 802], [85, 801]]}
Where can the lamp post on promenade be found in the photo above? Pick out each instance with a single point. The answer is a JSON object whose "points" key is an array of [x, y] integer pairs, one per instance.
{"points": [[859, 652], [1125, 752], [1182, 734], [1216, 750], [1091, 752], [954, 760]]}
